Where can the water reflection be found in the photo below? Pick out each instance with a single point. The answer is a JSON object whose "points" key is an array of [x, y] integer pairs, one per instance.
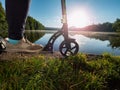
{"points": [[93, 44], [114, 39], [115, 42], [34, 35]]}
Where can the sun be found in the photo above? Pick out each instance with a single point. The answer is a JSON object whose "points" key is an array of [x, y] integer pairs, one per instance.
{"points": [[78, 18]]}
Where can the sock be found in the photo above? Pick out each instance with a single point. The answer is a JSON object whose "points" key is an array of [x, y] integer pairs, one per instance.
{"points": [[12, 41]]}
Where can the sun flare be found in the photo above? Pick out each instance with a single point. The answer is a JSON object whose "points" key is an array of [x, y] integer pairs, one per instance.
{"points": [[78, 19]]}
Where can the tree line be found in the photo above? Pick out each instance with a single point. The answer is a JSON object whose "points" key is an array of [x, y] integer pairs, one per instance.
{"points": [[104, 27]]}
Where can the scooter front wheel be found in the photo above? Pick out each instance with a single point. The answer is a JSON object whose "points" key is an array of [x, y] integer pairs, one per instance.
{"points": [[68, 48]]}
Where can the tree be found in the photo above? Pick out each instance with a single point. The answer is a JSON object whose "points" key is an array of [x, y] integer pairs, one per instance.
{"points": [[32, 24], [3, 22], [107, 27], [116, 25], [2, 13]]}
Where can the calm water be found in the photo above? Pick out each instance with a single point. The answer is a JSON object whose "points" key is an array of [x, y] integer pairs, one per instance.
{"points": [[87, 43]]}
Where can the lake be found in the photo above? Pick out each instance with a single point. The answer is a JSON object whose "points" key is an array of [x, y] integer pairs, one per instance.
{"points": [[89, 42]]}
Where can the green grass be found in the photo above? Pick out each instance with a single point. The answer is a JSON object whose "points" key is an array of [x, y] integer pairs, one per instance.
{"points": [[72, 73]]}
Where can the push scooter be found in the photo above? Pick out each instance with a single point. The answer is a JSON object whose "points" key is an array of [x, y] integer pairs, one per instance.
{"points": [[69, 46]]}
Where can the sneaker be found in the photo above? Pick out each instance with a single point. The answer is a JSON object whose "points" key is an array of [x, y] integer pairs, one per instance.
{"points": [[23, 46]]}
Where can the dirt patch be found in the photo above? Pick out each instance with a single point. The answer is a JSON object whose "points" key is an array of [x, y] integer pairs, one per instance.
{"points": [[22, 56]]}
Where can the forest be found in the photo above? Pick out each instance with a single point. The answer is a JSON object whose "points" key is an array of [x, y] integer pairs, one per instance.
{"points": [[104, 27]]}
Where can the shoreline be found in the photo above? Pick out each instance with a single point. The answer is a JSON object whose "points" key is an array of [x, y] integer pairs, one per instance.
{"points": [[74, 31]]}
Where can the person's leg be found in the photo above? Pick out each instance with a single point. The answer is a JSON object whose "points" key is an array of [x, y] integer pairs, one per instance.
{"points": [[16, 14]]}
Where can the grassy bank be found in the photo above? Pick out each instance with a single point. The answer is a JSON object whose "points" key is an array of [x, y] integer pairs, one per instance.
{"points": [[72, 73]]}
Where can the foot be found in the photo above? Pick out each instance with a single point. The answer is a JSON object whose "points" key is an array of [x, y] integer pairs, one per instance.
{"points": [[23, 46]]}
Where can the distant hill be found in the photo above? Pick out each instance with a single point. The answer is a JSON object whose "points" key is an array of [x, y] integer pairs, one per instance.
{"points": [[105, 27]]}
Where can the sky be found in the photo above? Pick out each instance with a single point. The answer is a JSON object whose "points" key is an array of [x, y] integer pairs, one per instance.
{"points": [[80, 13]]}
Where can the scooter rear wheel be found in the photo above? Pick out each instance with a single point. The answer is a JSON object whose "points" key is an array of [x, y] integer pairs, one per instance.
{"points": [[68, 48]]}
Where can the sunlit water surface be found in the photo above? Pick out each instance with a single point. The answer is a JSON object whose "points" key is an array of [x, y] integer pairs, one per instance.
{"points": [[86, 44]]}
